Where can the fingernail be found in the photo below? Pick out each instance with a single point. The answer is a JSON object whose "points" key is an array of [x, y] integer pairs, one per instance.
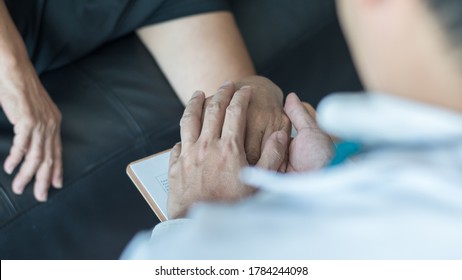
{"points": [[246, 88], [58, 182], [42, 197], [8, 168], [226, 83], [18, 192], [59, 185], [296, 96], [196, 93], [17, 189]]}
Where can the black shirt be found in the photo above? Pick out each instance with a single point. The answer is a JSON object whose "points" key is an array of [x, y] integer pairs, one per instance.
{"points": [[57, 32]]}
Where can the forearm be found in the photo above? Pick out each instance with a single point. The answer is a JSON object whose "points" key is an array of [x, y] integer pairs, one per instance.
{"points": [[199, 52], [12, 48]]}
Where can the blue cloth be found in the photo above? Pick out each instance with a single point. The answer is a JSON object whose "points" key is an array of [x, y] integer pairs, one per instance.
{"points": [[345, 150]]}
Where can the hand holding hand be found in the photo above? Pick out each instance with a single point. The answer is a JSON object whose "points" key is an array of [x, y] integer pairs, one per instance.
{"points": [[264, 116], [205, 166], [311, 149]]}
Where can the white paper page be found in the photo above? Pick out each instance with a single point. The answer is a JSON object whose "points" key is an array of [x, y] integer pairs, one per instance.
{"points": [[153, 175]]}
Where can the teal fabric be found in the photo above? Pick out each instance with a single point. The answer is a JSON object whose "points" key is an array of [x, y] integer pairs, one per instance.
{"points": [[345, 150]]}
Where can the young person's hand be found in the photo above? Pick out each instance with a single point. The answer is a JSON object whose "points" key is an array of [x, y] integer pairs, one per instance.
{"points": [[206, 165], [34, 116], [311, 149]]}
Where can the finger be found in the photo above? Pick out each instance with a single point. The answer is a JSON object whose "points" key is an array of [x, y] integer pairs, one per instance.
{"points": [[297, 113], [206, 104], [21, 142], [310, 109], [274, 151], [285, 161], [283, 167], [44, 172], [57, 175], [215, 111], [31, 163], [266, 135], [174, 154], [253, 144], [236, 114], [190, 123]]}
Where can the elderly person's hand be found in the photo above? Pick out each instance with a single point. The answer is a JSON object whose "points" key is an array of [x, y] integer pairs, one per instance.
{"points": [[206, 165], [265, 116], [36, 119], [311, 149]]}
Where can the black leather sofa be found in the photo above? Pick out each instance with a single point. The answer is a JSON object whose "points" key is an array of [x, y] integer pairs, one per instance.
{"points": [[118, 107]]}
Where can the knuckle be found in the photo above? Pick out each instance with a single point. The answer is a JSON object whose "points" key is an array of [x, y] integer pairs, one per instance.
{"points": [[48, 162], [18, 151], [40, 126], [187, 116], [27, 124], [51, 124], [42, 178], [203, 146], [231, 146], [27, 116], [35, 158], [214, 107], [235, 109]]}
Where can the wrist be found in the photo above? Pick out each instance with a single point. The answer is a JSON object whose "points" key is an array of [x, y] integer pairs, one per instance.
{"points": [[14, 60]]}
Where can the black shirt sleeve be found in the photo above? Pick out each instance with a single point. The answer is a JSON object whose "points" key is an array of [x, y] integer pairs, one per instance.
{"points": [[57, 32], [172, 9]]}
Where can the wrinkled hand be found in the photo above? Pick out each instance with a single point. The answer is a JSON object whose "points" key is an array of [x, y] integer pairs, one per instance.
{"points": [[36, 121], [205, 166], [311, 149], [265, 116]]}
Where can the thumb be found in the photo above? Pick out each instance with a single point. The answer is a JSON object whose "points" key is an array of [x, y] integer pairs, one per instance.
{"points": [[174, 154], [274, 151]]}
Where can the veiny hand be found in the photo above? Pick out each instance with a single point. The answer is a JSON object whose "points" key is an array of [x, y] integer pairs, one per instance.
{"points": [[36, 121], [205, 166], [311, 149], [265, 116]]}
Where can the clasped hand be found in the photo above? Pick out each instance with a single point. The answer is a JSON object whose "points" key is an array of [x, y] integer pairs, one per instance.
{"points": [[205, 166]]}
